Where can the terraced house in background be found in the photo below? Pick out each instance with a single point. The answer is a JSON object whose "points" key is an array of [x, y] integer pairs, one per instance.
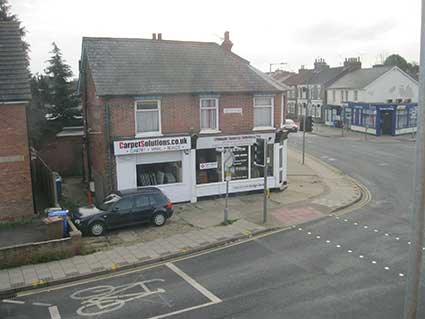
{"points": [[16, 199], [160, 112]]}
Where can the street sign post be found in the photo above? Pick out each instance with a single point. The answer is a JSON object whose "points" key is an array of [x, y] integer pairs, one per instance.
{"points": [[261, 160], [228, 158]]}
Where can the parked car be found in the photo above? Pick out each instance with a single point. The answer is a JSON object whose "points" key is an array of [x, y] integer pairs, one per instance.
{"points": [[290, 126], [124, 208]]}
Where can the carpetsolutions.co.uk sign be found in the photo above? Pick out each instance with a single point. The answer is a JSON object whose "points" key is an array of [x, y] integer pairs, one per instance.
{"points": [[149, 145]]}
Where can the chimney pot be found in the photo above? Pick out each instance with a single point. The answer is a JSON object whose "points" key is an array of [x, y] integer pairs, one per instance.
{"points": [[153, 36], [227, 44], [159, 36]]}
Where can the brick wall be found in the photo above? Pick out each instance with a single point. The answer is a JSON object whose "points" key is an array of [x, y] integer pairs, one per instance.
{"points": [[15, 177], [180, 114]]}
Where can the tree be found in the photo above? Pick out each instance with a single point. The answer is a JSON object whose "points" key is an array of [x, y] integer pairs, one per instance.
{"points": [[6, 15], [62, 101], [37, 123], [397, 60]]}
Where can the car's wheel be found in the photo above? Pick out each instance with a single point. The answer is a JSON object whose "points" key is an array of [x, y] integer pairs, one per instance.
{"points": [[159, 219], [97, 228]]}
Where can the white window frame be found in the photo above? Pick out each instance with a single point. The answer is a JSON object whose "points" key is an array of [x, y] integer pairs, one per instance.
{"points": [[152, 133], [259, 128], [217, 108]]}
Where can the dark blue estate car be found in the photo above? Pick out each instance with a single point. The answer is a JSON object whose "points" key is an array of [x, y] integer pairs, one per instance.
{"points": [[124, 208]]}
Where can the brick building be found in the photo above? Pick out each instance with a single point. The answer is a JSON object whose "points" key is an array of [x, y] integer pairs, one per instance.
{"points": [[159, 112], [15, 178]]}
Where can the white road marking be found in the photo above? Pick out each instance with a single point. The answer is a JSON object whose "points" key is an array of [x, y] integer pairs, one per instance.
{"points": [[18, 302], [375, 230], [401, 274], [361, 256], [346, 220], [331, 159], [386, 234], [309, 233], [183, 310], [387, 268], [356, 224], [193, 283], [337, 217], [338, 246], [42, 304], [318, 237], [365, 227], [408, 242], [300, 229], [328, 241], [54, 312], [373, 262], [349, 251], [397, 238]]}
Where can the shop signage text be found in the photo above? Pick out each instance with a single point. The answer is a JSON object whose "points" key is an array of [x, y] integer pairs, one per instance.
{"points": [[149, 145], [208, 165], [231, 140]]}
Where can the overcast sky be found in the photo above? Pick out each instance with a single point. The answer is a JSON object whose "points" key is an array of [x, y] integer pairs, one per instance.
{"points": [[263, 32]]}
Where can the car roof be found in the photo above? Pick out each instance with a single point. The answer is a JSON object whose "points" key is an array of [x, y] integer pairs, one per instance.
{"points": [[137, 191]]}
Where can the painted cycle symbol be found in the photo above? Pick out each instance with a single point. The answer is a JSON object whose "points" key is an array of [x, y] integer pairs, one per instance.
{"points": [[102, 299]]}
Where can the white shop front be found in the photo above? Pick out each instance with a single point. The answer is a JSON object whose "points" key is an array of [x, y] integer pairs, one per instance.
{"points": [[210, 175], [163, 162]]}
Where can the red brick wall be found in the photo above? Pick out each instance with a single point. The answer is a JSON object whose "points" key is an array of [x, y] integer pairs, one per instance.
{"points": [[64, 155], [15, 177], [180, 114]]}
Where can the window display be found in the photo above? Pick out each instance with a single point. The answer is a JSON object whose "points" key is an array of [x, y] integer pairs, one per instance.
{"points": [[208, 166], [240, 163], [257, 171], [159, 173]]}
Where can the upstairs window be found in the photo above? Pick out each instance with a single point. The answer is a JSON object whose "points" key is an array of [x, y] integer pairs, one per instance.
{"points": [[209, 114], [148, 117], [263, 111], [356, 95]]}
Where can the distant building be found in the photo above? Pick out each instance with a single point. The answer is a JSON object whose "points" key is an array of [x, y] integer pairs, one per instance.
{"points": [[16, 199], [381, 98], [160, 112]]}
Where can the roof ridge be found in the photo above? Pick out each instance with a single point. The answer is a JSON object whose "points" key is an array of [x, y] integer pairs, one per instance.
{"points": [[147, 39]]}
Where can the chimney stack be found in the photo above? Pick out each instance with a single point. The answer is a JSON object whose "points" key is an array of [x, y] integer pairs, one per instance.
{"points": [[153, 36], [227, 44], [353, 63], [159, 36]]}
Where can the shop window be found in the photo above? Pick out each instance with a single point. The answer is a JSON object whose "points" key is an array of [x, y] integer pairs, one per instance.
{"points": [[208, 166], [402, 117], [257, 171], [148, 117], [240, 163], [412, 118], [209, 114], [159, 173], [368, 118], [263, 111]]}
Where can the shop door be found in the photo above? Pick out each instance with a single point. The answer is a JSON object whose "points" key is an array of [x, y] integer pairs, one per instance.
{"points": [[386, 122], [356, 118]]}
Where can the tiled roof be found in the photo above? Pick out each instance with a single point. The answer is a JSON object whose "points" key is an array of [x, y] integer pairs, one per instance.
{"points": [[300, 78], [360, 78], [14, 77], [123, 66]]}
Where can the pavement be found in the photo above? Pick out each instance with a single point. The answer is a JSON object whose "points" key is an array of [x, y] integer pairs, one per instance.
{"points": [[315, 190], [347, 134]]}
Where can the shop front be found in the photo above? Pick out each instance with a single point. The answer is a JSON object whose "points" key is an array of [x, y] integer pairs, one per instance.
{"points": [[332, 114], [163, 162], [245, 176], [381, 119]]}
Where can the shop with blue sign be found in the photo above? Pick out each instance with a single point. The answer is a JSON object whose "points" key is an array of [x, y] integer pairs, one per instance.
{"points": [[381, 119]]}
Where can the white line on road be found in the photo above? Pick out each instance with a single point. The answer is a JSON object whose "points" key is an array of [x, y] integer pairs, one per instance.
{"points": [[183, 310], [42, 304], [54, 312], [194, 283], [18, 302]]}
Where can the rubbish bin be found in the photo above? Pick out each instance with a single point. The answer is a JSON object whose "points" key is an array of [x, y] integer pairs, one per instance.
{"points": [[54, 227], [63, 214]]}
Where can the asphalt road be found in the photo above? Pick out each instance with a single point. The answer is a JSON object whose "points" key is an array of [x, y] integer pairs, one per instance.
{"points": [[353, 266]]}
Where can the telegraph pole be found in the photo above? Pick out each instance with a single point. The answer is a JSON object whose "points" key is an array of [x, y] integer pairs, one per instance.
{"points": [[305, 119], [418, 210]]}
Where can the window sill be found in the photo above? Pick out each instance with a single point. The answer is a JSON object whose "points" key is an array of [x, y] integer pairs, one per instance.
{"points": [[264, 128], [209, 132], [148, 134]]}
